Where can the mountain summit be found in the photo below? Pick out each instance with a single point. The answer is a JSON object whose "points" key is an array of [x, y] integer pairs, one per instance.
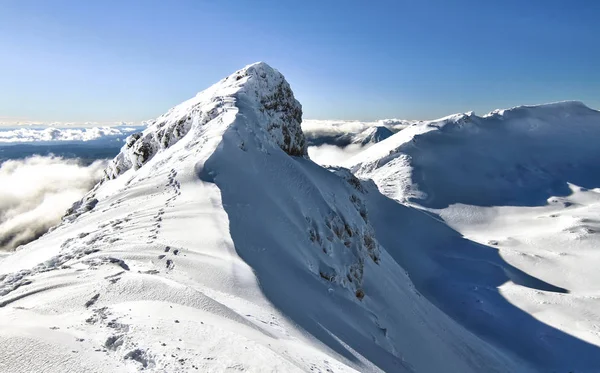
{"points": [[214, 243], [270, 112]]}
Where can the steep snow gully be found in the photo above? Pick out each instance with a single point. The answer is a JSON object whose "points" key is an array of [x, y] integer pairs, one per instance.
{"points": [[214, 243]]}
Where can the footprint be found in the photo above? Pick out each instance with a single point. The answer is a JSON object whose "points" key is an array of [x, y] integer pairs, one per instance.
{"points": [[113, 342], [120, 262], [140, 356], [92, 300]]}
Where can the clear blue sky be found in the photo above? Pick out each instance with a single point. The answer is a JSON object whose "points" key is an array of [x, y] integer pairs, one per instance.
{"points": [[105, 61]]}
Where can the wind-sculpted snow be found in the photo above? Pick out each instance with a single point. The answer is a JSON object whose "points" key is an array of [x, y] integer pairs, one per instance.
{"points": [[519, 156], [65, 134]]}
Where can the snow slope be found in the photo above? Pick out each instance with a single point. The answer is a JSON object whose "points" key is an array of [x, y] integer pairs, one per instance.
{"points": [[557, 243], [372, 135], [214, 243], [507, 237], [520, 156]]}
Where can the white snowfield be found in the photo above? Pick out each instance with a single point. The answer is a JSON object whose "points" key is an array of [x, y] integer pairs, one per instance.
{"points": [[215, 244], [520, 156], [523, 187]]}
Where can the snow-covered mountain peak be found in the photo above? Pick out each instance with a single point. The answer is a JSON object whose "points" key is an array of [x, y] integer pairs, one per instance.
{"points": [[214, 219], [257, 97], [242, 131], [517, 156], [372, 135], [553, 109], [215, 244]]}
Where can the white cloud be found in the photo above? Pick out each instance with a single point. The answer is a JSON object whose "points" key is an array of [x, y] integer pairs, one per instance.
{"points": [[333, 127], [14, 135], [25, 122], [316, 128], [331, 155], [36, 192]]}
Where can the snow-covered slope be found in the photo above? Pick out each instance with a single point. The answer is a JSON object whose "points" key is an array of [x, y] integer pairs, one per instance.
{"points": [[519, 156], [214, 244], [522, 185], [372, 135]]}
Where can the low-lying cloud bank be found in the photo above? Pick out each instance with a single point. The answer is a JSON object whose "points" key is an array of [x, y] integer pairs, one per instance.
{"points": [[315, 128], [36, 192], [331, 155], [332, 142], [47, 134]]}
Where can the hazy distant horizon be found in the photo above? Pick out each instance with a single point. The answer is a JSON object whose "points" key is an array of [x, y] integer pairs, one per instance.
{"points": [[4, 123]]}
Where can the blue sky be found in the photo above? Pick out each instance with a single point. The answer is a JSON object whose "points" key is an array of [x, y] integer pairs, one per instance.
{"points": [[108, 61]]}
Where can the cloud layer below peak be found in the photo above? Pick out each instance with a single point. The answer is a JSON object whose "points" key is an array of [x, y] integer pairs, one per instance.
{"points": [[35, 193], [55, 134]]}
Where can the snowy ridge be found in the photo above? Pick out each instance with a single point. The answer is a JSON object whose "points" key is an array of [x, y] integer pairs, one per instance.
{"points": [[372, 135], [561, 108], [534, 150], [513, 255], [258, 88], [215, 244], [141, 242]]}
